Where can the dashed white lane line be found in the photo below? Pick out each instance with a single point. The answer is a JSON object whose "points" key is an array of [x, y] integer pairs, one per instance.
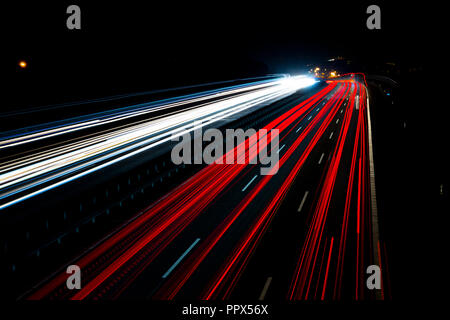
{"points": [[298, 129], [281, 148], [337, 121], [253, 179], [317, 109], [165, 275], [265, 288], [303, 202], [321, 157], [342, 110], [331, 135], [309, 118]]}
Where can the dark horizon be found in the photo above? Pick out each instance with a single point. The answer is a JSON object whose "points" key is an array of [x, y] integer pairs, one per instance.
{"points": [[123, 49]]}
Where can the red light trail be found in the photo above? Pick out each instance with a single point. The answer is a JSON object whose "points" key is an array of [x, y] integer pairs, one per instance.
{"points": [[119, 259]]}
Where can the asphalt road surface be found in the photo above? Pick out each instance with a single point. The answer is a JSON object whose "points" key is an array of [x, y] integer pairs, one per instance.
{"points": [[307, 230]]}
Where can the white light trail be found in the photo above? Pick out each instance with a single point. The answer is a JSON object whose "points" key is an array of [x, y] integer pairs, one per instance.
{"points": [[20, 178]]}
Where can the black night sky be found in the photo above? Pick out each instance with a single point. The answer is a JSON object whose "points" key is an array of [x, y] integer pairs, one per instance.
{"points": [[128, 47]]}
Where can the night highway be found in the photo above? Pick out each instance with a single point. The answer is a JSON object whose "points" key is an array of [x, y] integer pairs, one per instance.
{"points": [[230, 214], [212, 165]]}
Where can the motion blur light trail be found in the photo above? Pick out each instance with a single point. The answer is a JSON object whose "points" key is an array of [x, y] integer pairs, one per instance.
{"points": [[28, 177], [180, 207], [307, 268], [44, 131], [254, 232], [333, 251], [309, 253], [178, 280]]}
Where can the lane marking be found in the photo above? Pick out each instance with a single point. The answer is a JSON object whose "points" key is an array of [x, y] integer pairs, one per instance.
{"points": [[180, 258], [245, 188], [342, 110], [303, 202], [373, 195], [265, 288], [309, 118], [321, 157], [317, 109], [298, 129], [331, 135], [281, 148], [337, 121]]}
